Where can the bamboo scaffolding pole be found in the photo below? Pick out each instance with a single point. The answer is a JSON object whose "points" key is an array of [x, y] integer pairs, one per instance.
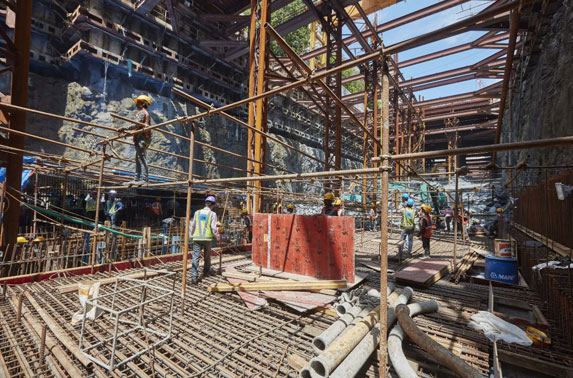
{"points": [[187, 219]]}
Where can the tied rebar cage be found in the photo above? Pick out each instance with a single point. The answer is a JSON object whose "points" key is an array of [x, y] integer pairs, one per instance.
{"points": [[127, 322]]}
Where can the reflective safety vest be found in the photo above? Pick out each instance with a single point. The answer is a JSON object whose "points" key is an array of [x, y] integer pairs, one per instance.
{"points": [[408, 218], [115, 207], [427, 233], [202, 219], [91, 204]]}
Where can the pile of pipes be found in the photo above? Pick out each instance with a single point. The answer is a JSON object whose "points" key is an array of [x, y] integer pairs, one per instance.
{"points": [[343, 349]]}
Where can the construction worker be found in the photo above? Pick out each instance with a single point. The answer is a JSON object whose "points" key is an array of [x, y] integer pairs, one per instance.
{"points": [[476, 228], [497, 229], [407, 225], [329, 208], [338, 207], [425, 223], [115, 211], [157, 210], [405, 198], [203, 229], [109, 203], [290, 208], [91, 204], [448, 214], [141, 140], [372, 214], [248, 223]]}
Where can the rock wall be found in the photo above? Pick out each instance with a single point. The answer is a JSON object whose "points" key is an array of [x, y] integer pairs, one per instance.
{"points": [[100, 91], [542, 101]]}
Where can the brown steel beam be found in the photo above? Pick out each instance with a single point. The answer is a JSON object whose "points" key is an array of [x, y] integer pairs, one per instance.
{"points": [[301, 64], [19, 97], [514, 24]]}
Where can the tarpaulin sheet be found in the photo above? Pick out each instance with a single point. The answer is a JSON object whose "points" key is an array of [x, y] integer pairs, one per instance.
{"points": [[311, 245]]}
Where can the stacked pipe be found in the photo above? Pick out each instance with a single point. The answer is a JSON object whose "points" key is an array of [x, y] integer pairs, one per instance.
{"points": [[346, 346]]}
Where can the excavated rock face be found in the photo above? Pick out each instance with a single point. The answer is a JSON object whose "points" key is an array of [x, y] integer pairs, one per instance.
{"points": [[543, 100], [83, 98]]}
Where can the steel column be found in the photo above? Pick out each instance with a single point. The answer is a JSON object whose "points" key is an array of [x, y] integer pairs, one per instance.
{"points": [[19, 97]]}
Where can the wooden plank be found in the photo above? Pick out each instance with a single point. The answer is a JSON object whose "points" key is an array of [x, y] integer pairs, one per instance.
{"points": [[252, 301], [250, 277], [375, 267], [312, 330], [277, 285], [296, 362], [107, 281], [425, 272], [551, 244], [303, 298]]}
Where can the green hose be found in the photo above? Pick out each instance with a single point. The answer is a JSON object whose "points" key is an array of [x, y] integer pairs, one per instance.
{"points": [[83, 222]]}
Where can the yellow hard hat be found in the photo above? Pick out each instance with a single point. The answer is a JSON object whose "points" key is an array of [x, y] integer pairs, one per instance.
{"points": [[218, 224], [21, 239], [290, 206], [245, 211], [40, 239], [143, 98], [337, 202], [427, 208], [499, 210], [329, 196], [378, 203]]}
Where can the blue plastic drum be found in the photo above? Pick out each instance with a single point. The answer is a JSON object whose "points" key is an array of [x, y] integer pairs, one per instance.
{"points": [[501, 269]]}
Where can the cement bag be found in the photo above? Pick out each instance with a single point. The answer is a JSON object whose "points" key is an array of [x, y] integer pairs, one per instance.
{"points": [[87, 290], [495, 328]]}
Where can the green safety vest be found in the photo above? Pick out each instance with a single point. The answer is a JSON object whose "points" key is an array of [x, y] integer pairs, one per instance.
{"points": [[91, 205], [408, 219], [202, 221]]}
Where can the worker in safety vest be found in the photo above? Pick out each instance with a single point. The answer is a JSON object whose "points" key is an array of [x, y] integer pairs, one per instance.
{"points": [[91, 204], [329, 208], [290, 208], [425, 223], [109, 204], [407, 225], [115, 211], [448, 214], [141, 140], [203, 229], [248, 223]]}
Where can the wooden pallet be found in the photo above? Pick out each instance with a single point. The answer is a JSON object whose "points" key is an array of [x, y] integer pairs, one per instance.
{"points": [[424, 273]]}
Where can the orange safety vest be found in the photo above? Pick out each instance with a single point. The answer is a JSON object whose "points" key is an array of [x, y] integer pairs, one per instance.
{"points": [[428, 230], [156, 208]]}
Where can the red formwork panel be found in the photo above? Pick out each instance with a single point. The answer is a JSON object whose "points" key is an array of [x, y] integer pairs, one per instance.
{"points": [[312, 245]]}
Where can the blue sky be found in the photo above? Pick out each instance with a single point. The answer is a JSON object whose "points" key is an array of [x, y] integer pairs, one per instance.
{"points": [[432, 23]]}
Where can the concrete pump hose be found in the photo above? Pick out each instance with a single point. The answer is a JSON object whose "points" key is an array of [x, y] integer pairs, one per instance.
{"points": [[353, 363], [395, 351], [322, 341], [444, 356], [325, 363]]}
